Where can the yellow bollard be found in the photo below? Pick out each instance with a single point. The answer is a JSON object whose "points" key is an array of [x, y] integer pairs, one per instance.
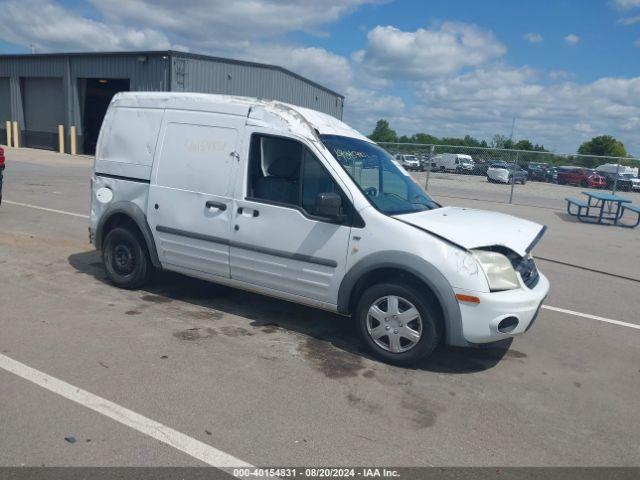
{"points": [[72, 140], [8, 127], [61, 138], [16, 135]]}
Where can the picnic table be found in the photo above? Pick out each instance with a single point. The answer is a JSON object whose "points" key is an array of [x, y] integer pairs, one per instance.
{"points": [[607, 208]]}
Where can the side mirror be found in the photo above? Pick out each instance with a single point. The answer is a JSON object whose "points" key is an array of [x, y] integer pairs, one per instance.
{"points": [[328, 205]]}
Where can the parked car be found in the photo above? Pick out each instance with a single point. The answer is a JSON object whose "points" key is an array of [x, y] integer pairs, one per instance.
{"points": [[581, 177], [625, 181], [537, 173], [410, 162], [537, 165], [453, 162], [241, 192], [551, 175], [481, 167], [628, 182], [613, 168], [1, 171], [505, 172], [424, 161]]}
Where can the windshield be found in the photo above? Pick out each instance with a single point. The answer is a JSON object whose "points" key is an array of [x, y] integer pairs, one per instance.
{"points": [[384, 182]]}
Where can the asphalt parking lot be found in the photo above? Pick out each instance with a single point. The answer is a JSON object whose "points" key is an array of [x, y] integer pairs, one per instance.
{"points": [[188, 373]]}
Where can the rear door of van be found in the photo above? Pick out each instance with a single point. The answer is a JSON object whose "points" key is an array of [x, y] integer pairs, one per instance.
{"points": [[191, 193]]}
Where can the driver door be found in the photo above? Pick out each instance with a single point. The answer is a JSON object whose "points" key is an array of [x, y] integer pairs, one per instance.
{"points": [[278, 239]]}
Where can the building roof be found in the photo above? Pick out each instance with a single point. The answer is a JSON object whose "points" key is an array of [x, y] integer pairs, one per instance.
{"points": [[176, 53]]}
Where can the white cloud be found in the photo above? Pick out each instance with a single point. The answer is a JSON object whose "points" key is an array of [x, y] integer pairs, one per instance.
{"points": [[626, 4], [572, 39], [224, 24], [324, 67], [533, 37], [561, 75], [627, 21], [393, 53], [54, 28], [485, 101]]}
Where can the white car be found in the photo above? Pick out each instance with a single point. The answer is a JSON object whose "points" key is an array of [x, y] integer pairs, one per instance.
{"points": [[292, 203], [505, 172]]}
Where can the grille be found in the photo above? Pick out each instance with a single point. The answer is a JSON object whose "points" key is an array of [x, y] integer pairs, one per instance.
{"points": [[526, 267]]}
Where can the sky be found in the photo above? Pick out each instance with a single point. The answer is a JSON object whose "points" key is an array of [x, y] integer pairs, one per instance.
{"points": [[565, 70]]}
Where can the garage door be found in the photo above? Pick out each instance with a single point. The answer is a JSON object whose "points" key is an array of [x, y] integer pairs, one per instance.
{"points": [[5, 107], [43, 100]]}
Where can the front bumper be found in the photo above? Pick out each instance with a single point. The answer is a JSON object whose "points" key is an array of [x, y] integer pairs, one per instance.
{"points": [[494, 317]]}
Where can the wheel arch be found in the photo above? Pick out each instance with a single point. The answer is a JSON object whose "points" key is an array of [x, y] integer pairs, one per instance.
{"points": [[393, 265], [123, 213]]}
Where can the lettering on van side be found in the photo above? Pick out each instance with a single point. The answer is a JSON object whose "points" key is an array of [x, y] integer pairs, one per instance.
{"points": [[204, 146]]}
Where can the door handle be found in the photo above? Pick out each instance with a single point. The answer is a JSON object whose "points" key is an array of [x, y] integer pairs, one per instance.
{"points": [[219, 205], [254, 212]]}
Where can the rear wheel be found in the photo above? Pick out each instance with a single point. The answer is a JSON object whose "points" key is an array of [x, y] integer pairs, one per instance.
{"points": [[584, 184], [397, 323], [126, 259]]}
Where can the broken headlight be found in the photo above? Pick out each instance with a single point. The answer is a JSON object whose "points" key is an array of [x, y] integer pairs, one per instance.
{"points": [[498, 270]]}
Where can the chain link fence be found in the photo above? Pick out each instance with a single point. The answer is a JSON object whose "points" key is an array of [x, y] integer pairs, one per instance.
{"points": [[524, 177]]}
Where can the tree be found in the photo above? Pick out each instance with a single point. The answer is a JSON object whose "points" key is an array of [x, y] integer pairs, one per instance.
{"points": [[523, 145], [604, 145], [382, 132], [426, 138], [501, 141]]}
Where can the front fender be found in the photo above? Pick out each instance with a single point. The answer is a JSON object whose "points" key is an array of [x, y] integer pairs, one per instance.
{"points": [[418, 267]]}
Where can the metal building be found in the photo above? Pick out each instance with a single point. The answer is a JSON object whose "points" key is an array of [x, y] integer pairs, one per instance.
{"points": [[42, 91]]}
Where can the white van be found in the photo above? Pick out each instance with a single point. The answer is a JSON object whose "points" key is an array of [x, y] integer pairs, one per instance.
{"points": [[410, 162], [292, 203], [453, 162], [613, 168]]}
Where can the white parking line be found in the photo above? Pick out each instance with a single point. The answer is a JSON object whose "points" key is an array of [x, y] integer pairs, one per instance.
{"points": [[592, 317], [46, 209], [180, 441]]}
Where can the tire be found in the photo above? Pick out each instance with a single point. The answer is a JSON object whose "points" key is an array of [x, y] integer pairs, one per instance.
{"points": [[126, 259], [523, 182], [584, 184], [402, 351]]}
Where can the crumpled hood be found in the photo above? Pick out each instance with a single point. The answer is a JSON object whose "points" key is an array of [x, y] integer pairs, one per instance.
{"points": [[471, 228]]}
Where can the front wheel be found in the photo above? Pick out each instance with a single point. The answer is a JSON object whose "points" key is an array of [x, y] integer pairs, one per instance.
{"points": [[396, 322], [125, 259]]}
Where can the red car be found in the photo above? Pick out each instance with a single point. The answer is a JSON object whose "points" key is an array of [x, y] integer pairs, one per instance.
{"points": [[1, 170], [582, 177]]}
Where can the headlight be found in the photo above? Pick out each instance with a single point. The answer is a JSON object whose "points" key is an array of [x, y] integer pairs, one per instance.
{"points": [[498, 269]]}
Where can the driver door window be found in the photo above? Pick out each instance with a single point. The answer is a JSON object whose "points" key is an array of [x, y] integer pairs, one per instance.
{"points": [[284, 172]]}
